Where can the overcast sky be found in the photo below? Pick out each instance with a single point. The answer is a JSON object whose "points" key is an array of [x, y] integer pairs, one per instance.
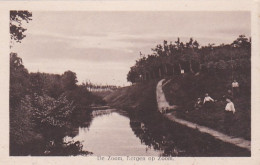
{"points": [[101, 46]]}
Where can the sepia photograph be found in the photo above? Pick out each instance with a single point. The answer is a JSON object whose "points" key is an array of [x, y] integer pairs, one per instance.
{"points": [[130, 85]]}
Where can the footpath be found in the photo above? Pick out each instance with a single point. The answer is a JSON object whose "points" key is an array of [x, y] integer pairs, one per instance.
{"points": [[163, 106]]}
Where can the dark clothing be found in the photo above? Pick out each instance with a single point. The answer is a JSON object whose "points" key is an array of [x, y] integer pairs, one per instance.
{"points": [[208, 106], [197, 105], [228, 95], [236, 92], [228, 121]]}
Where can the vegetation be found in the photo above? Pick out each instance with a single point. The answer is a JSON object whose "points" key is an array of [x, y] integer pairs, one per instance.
{"points": [[175, 58], [16, 20], [192, 70], [99, 88], [139, 97], [42, 103]]}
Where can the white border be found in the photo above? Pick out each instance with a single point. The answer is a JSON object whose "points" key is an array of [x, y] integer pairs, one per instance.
{"points": [[196, 5]]}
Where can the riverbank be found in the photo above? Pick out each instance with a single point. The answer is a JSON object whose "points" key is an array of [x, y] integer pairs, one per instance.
{"points": [[142, 97], [161, 101], [164, 132], [139, 97], [43, 106], [190, 87]]}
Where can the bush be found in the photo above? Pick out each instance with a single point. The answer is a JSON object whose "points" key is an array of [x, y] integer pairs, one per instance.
{"points": [[51, 112]]}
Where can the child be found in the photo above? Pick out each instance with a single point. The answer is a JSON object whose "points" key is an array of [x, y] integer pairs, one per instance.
{"points": [[229, 114], [198, 104]]}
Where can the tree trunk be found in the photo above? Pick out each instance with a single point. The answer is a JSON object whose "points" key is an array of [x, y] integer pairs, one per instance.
{"points": [[166, 70], [173, 70], [191, 70], [153, 75], [180, 67]]}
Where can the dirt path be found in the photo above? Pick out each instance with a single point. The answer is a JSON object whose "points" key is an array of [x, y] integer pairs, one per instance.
{"points": [[163, 105]]}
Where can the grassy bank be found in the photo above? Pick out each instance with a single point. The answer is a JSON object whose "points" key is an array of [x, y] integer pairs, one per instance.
{"points": [[184, 90], [174, 139], [139, 96]]}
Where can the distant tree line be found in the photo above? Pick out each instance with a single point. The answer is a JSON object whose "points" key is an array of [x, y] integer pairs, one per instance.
{"points": [[98, 88], [175, 58]]}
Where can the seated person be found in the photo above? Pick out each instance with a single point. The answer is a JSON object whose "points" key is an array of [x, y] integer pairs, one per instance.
{"points": [[198, 104], [208, 102]]}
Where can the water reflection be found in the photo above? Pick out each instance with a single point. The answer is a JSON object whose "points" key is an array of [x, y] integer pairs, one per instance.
{"points": [[115, 132], [172, 139], [159, 142], [111, 134], [54, 145]]}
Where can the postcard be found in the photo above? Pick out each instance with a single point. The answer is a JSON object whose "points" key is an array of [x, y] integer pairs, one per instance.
{"points": [[130, 82]]}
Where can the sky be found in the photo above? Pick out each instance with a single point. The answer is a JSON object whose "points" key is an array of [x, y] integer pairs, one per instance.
{"points": [[101, 46]]}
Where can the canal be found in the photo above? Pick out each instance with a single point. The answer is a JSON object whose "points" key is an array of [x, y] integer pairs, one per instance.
{"points": [[119, 133]]}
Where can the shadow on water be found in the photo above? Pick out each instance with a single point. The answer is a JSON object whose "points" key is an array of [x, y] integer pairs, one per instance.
{"points": [[173, 139], [117, 132], [51, 142], [55, 145]]}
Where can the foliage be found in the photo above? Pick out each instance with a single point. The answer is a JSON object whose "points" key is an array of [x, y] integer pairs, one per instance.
{"points": [[68, 149], [48, 111], [16, 19], [38, 101], [18, 80], [21, 127], [69, 80], [168, 59], [42, 102], [132, 75]]}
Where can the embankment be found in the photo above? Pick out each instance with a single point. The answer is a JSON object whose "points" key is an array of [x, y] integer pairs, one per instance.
{"points": [[184, 91], [139, 97], [142, 97]]}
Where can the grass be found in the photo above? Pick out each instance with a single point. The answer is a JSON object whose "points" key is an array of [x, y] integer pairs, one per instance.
{"points": [[142, 97], [138, 96], [190, 90]]}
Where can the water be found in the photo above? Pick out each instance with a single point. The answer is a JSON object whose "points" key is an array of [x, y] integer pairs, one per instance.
{"points": [[117, 133], [112, 135]]}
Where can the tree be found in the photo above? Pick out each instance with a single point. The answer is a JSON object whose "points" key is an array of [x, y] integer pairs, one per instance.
{"points": [[19, 80], [69, 80], [16, 20], [242, 41], [18, 74], [132, 75], [189, 56], [179, 53]]}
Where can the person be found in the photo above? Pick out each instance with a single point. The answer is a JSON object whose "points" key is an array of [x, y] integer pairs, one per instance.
{"points": [[207, 102], [198, 104], [229, 114], [228, 95], [235, 88]]}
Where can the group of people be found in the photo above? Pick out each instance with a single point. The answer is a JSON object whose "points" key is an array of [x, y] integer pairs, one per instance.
{"points": [[207, 103]]}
